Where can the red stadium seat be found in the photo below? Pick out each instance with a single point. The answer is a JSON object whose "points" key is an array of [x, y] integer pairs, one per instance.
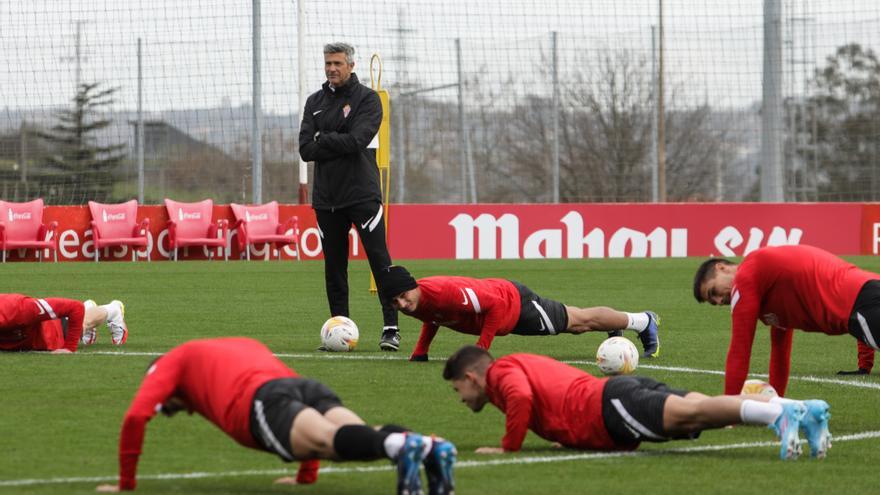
{"points": [[190, 224], [22, 227], [117, 225], [259, 224]]}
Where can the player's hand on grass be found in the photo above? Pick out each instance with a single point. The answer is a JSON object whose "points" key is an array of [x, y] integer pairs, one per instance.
{"points": [[489, 450], [107, 489], [419, 357], [62, 351], [286, 480]]}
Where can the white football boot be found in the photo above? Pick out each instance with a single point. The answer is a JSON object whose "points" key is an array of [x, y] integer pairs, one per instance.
{"points": [[116, 323]]}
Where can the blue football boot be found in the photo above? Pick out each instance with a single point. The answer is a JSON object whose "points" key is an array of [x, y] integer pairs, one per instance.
{"points": [[648, 336], [409, 460], [438, 467], [786, 427], [815, 426]]}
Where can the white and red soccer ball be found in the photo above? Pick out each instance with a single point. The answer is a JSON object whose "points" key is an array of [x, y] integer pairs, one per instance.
{"points": [[617, 356], [339, 334], [758, 387]]}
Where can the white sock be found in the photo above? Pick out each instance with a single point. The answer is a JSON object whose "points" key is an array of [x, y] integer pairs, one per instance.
{"points": [[754, 412], [782, 401], [112, 311], [637, 321], [429, 442], [393, 444]]}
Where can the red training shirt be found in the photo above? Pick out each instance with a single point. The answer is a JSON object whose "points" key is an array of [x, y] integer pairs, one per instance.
{"points": [[484, 307], [217, 378], [31, 324], [787, 287], [558, 402]]}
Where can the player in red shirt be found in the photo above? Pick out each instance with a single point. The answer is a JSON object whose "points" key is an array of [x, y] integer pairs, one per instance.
{"points": [[54, 324], [564, 404], [494, 306], [788, 287], [240, 386]]}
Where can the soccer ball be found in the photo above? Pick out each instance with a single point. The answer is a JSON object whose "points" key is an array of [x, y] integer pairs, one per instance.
{"points": [[617, 356], [758, 387], [339, 334]]}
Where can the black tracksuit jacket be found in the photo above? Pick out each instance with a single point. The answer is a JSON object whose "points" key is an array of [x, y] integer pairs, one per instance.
{"points": [[347, 120]]}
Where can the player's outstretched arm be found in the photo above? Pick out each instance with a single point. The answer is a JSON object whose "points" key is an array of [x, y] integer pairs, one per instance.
{"points": [[491, 326], [420, 351], [75, 312], [306, 475], [780, 358]]}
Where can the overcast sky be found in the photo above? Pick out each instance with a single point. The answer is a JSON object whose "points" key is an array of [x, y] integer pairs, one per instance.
{"points": [[197, 53]]}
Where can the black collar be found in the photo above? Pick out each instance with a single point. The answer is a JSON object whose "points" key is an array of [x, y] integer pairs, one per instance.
{"points": [[346, 89]]}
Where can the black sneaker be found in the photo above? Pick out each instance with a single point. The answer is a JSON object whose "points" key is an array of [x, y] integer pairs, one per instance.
{"points": [[650, 339], [390, 340], [860, 371]]}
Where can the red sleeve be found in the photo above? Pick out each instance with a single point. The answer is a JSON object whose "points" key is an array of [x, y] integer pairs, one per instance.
{"points": [[157, 387], [744, 316], [490, 328], [493, 309], [75, 312], [514, 387], [34, 310], [866, 356], [429, 330], [308, 472], [780, 358]]}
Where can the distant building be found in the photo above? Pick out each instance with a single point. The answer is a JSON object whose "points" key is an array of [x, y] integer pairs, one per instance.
{"points": [[163, 141]]}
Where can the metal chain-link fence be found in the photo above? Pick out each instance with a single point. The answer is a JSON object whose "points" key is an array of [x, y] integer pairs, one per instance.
{"points": [[492, 101]]}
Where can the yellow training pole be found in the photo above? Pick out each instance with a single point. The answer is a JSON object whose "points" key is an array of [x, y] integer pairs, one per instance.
{"points": [[383, 153]]}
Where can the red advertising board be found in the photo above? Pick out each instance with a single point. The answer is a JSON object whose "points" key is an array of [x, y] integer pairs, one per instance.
{"points": [[618, 230], [513, 231]]}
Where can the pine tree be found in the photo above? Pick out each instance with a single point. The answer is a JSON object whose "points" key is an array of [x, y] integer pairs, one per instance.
{"points": [[86, 168]]}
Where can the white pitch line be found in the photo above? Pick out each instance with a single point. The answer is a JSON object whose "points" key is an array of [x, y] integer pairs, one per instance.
{"points": [[858, 383], [582, 456]]}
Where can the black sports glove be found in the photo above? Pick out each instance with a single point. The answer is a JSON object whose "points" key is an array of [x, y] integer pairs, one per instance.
{"points": [[860, 371]]}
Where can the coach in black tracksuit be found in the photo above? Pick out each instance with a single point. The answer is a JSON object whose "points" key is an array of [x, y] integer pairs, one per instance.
{"points": [[339, 123]]}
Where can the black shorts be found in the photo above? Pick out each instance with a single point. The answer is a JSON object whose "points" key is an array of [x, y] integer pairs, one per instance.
{"points": [[276, 404], [632, 407], [864, 321], [539, 316]]}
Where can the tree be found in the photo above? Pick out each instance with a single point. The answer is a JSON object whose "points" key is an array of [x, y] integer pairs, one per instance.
{"points": [[605, 138], [606, 108], [846, 118], [84, 165]]}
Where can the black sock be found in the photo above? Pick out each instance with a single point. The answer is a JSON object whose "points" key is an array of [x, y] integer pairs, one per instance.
{"points": [[393, 429], [359, 443]]}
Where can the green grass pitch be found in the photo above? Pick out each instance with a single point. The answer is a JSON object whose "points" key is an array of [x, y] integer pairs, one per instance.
{"points": [[60, 415]]}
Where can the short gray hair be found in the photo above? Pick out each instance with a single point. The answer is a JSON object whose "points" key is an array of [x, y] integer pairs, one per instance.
{"points": [[340, 47]]}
